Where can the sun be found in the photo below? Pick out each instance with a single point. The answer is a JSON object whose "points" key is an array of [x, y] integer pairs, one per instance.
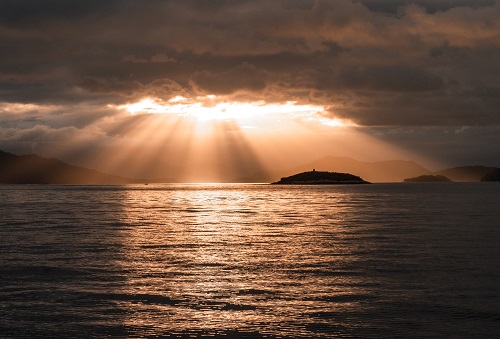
{"points": [[214, 108]]}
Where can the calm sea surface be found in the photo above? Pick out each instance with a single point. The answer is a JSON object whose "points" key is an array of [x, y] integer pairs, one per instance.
{"points": [[364, 261]]}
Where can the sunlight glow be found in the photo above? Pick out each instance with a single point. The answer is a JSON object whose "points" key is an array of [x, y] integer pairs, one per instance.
{"points": [[211, 107], [18, 108]]}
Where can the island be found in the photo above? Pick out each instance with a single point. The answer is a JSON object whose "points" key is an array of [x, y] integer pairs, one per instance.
{"points": [[428, 178], [320, 178], [492, 176]]}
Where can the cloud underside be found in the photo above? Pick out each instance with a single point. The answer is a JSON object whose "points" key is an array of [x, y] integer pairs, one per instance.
{"points": [[374, 62]]}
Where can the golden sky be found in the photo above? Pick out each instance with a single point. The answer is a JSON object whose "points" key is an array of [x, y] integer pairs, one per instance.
{"points": [[230, 87]]}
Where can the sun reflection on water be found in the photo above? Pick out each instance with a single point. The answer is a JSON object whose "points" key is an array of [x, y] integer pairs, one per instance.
{"points": [[219, 259], [249, 261]]}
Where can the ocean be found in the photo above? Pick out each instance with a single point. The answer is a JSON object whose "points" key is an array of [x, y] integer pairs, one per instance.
{"points": [[250, 261]]}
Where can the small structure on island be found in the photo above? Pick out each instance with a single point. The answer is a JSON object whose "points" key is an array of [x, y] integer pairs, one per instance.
{"points": [[320, 178]]}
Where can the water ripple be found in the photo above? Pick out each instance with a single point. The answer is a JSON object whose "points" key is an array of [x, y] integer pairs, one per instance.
{"points": [[250, 261]]}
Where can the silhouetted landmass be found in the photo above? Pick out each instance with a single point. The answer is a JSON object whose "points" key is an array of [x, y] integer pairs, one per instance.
{"points": [[428, 178], [321, 178], [143, 164], [494, 175], [466, 173], [381, 171], [33, 169]]}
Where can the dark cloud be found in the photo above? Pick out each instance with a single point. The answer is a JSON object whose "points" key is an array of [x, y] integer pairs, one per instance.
{"points": [[392, 6], [243, 77], [110, 85], [119, 48], [32, 12], [375, 62], [392, 79]]}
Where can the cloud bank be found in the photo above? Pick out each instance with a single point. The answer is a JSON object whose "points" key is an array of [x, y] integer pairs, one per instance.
{"points": [[381, 64]]}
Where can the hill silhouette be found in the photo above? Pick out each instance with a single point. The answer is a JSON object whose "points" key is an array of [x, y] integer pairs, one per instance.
{"points": [[381, 171], [138, 164], [33, 169], [466, 173], [320, 178]]}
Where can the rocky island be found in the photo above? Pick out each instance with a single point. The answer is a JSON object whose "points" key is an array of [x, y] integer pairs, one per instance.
{"points": [[492, 176], [320, 178], [428, 178]]}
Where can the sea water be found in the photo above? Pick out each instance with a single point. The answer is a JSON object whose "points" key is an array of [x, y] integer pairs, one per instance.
{"points": [[257, 261]]}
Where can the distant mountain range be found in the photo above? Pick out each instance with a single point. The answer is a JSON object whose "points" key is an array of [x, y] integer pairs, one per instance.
{"points": [[466, 173], [33, 169], [380, 171]]}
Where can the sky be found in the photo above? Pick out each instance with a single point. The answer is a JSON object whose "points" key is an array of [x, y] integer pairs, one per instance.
{"points": [[229, 87]]}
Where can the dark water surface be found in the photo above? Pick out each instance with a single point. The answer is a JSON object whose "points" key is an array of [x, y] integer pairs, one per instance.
{"points": [[364, 261]]}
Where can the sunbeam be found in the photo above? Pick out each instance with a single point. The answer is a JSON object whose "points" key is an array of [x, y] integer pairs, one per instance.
{"points": [[211, 107], [209, 138]]}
